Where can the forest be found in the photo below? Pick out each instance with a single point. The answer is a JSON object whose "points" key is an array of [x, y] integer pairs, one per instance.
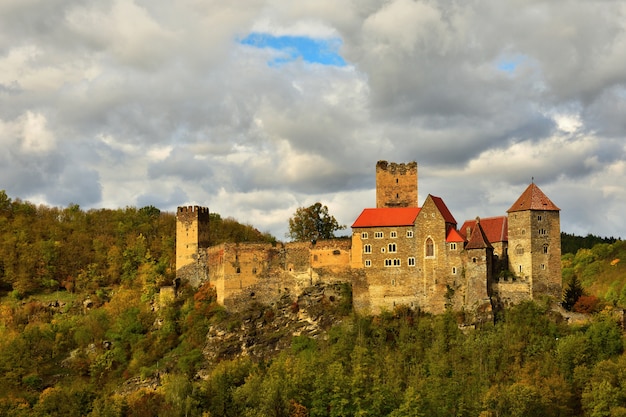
{"points": [[83, 332]]}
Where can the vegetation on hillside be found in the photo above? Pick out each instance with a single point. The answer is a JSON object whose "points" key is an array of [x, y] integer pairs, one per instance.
{"points": [[601, 272], [84, 331], [571, 243], [46, 249]]}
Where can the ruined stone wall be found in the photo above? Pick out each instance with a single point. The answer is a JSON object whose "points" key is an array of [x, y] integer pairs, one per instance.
{"points": [[264, 273], [508, 293], [239, 267], [396, 184]]}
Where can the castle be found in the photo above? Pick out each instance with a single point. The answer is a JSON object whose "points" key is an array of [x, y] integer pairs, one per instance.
{"points": [[398, 254]]}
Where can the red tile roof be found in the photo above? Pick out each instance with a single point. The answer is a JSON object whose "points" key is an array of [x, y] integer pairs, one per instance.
{"points": [[478, 240], [387, 217], [495, 228], [454, 236], [533, 199], [443, 209]]}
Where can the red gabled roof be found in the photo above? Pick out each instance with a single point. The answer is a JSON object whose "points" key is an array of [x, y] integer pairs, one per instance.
{"points": [[454, 236], [387, 217], [443, 209], [478, 239], [495, 228], [533, 199]]}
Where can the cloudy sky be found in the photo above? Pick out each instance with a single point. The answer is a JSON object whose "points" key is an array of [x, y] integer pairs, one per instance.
{"points": [[254, 108]]}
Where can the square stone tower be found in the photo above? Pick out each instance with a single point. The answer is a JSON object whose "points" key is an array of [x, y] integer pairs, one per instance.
{"points": [[535, 242], [192, 236], [396, 184]]}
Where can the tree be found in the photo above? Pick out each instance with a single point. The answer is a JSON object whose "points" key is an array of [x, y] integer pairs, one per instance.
{"points": [[312, 223], [573, 292]]}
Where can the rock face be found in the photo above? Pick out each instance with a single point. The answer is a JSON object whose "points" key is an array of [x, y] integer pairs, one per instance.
{"points": [[260, 331]]}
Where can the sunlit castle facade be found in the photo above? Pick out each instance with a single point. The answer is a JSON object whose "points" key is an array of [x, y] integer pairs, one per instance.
{"points": [[399, 254]]}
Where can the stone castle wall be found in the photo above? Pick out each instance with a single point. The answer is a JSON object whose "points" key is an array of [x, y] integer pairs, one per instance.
{"points": [[262, 272], [385, 266]]}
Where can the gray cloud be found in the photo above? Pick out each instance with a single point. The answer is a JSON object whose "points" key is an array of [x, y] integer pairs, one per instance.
{"points": [[157, 103]]}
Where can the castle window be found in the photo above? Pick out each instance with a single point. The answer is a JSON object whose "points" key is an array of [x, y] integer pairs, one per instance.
{"points": [[367, 249], [368, 263], [364, 235], [519, 250], [474, 260], [392, 247], [520, 269], [411, 261], [254, 270], [409, 233], [396, 262], [393, 282], [238, 270], [379, 235], [542, 232], [396, 180], [543, 266], [430, 248], [545, 249], [523, 231], [315, 258], [397, 195], [382, 250], [393, 235], [454, 270], [453, 246], [539, 218], [388, 262]]}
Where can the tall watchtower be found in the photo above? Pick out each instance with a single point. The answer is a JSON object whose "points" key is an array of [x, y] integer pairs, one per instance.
{"points": [[192, 235], [396, 184], [535, 242]]}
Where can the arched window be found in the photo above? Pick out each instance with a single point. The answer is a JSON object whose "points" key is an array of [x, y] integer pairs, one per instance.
{"points": [[519, 249], [430, 248]]}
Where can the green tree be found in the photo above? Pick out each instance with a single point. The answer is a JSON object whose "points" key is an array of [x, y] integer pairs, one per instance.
{"points": [[312, 223], [573, 292]]}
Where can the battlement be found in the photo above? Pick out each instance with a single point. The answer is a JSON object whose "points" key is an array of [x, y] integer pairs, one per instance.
{"points": [[395, 168], [190, 213], [191, 209]]}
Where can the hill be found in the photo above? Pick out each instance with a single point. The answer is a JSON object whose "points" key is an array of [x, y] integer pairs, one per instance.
{"points": [[601, 271], [90, 326]]}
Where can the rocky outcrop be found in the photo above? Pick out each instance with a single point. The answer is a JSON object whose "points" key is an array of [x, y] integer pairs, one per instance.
{"points": [[260, 331]]}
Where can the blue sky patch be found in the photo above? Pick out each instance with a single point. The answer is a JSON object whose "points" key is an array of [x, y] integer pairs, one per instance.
{"points": [[318, 51], [509, 64]]}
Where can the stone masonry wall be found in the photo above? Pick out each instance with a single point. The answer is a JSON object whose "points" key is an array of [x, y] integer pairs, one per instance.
{"points": [[396, 184]]}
